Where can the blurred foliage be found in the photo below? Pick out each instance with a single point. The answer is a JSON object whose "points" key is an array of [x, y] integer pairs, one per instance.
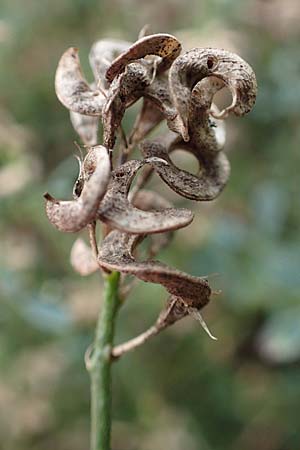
{"points": [[182, 390]]}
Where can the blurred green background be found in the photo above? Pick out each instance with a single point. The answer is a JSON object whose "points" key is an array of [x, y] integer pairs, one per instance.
{"points": [[182, 390]]}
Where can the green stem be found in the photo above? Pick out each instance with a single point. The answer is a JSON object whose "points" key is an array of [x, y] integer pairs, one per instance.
{"points": [[100, 366]]}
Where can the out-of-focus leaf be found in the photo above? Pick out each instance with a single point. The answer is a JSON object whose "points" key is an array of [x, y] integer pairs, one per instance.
{"points": [[279, 340], [270, 202], [47, 317]]}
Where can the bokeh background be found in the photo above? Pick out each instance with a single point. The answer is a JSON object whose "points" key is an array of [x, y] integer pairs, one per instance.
{"points": [[182, 390]]}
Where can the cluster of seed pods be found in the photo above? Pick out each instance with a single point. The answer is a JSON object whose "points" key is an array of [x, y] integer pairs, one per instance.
{"points": [[178, 88]]}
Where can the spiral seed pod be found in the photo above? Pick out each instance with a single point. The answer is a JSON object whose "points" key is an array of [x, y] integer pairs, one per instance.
{"points": [[116, 253], [199, 63], [207, 185], [181, 90], [116, 210]]}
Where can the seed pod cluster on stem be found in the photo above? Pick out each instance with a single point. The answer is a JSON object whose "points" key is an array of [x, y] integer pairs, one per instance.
{"points": [[176, 88]]}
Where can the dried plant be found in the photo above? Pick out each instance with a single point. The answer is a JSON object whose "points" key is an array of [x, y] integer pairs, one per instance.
{"points": [[179, 89]]}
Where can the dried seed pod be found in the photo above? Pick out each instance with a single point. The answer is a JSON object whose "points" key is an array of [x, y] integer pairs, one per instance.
{"points": [[174, 310], [116, 254], [82, 258], [86, 127], [116, 210], [214, 172], [102, 54], [163, 45], [147, 201], [158, 92], [206, 140], [73, 90], [129, 85], [206, 133], [198, 63], [72, 216], [123, 92]]}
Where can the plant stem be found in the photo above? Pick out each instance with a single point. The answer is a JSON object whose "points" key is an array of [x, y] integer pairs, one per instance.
{"points": [[100, 366]]}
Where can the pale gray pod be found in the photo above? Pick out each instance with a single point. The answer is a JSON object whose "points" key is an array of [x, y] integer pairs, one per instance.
{"points": [[101, 56], [72, 88], [82, 258], [74, 215], [86, 127]]}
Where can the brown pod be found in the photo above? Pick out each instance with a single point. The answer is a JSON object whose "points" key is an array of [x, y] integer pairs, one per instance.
{"points": [[207, 185], [123, 92], [198, 63], [116, 210], [163, 45], [116, 253], [130, 75], [206, 134], [158, 92], [202, 134]]}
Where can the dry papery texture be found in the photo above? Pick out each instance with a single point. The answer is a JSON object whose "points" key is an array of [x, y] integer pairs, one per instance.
{"points": [[180, 89]]}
